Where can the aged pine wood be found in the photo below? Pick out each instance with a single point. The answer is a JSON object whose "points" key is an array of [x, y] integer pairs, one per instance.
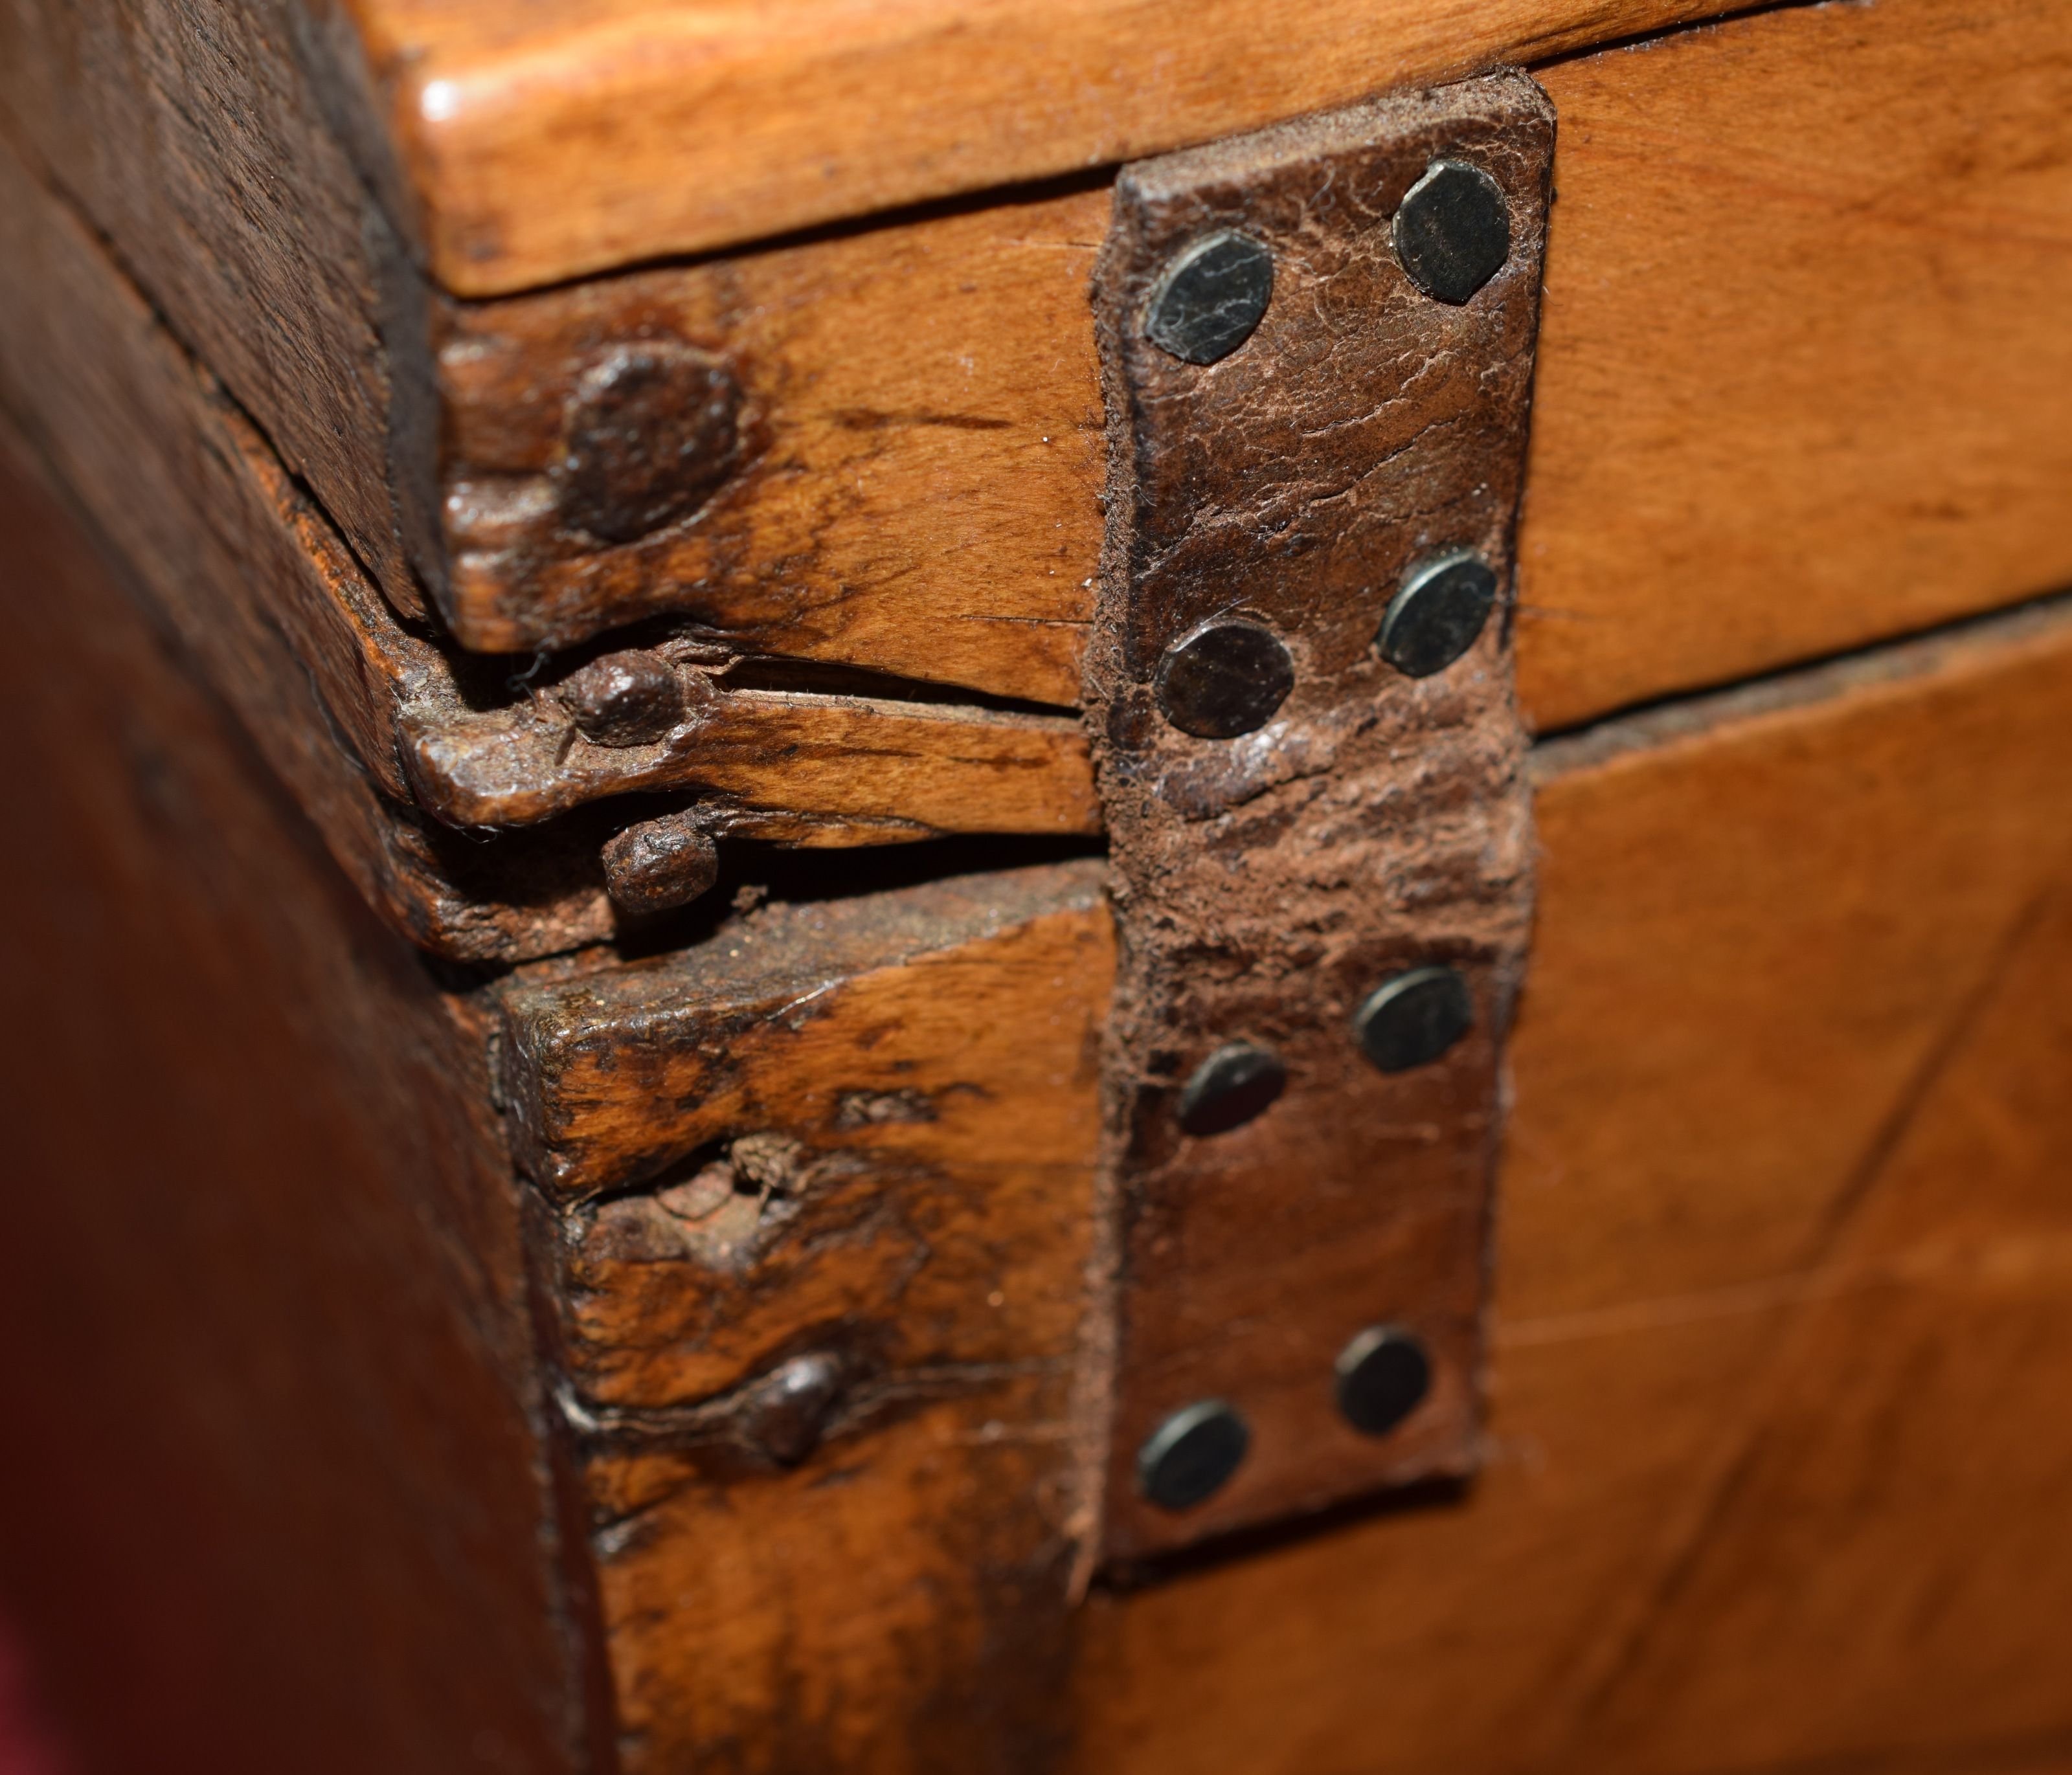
{"points": [[1803, 360], [206, 138], [594, 135], [1917, 1403], [257, 589], [274, 1494], [1866, 846], [264, 589], [915, 485], [1869, 361], [860, 1133], [1763, 928], [788, 765], [1747, 312]]}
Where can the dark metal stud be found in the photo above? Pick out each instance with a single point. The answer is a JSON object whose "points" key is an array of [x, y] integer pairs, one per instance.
{"points": [[1382, 1376], [623, 699], [1452, 231], [1210, 297], [658, 864], [651, 432], [1228, 1089], [1191, 1455], [1223, 679], [1412, 1020], [1434, 619]]}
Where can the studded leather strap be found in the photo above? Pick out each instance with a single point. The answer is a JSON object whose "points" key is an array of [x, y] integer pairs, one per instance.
{"points": [[1318, 348]]}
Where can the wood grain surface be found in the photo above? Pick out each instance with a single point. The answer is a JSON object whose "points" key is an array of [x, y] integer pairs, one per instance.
{"points": [[1797, 391], [1785, 1113], [1783, 956], [206, 139], [1802, 362], [274, 1495], [1798, 387], [1888, 1554], [595, 133], [788, 765], [922, 449], [266, 591], [879, 1159], [258, 589]]}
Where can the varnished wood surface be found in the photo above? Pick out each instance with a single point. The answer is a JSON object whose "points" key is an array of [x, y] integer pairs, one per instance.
{"points": [[1791, 398], [207, 138], [794, 766], [595, 133], [1785, 1113], [879, 1152], [1801, 361], [258, 588], [273, 1497], [364, 716], [1895, 1527], [917, 487], [1778, 1293], [1797, 387]]}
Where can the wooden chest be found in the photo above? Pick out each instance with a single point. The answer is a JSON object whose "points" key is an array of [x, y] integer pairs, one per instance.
{"points": [[1100, 889]]}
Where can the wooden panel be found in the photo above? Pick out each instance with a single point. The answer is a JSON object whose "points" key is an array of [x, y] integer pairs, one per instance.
{"points": [[894, 1606], [1802, 363], [924, 463], [1859, 843], [1892, 1553], [204, 138], [265, 592], [595, 133], [273, 1497], [1780, 897], [862, 1134], [1787, 401], [258, 588], [1759, 929]]}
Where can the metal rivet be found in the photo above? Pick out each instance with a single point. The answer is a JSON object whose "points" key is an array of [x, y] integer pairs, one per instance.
{"points": [[1191, 1455], [1434, 619], [1382, 1376], [1453, 232], [1412, 1019], [652, 431], [1210, 297], [658, 864], [1228, 1089], [623, 699], [1223, 679]]}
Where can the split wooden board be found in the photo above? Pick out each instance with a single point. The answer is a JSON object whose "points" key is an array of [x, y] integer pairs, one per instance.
{"points": [[1796, 389], [1782, 1110]]}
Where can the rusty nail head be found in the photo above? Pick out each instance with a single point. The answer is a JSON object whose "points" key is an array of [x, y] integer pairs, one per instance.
{"points": [[1238, 1082], [1413, 1019], [1224, 678], [785, 1411], [1191, 1455], [629, 698], [1210, 297], [1382, 1376], [1453, 231], [1444, 602], [652, 429], [660, 864]]}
